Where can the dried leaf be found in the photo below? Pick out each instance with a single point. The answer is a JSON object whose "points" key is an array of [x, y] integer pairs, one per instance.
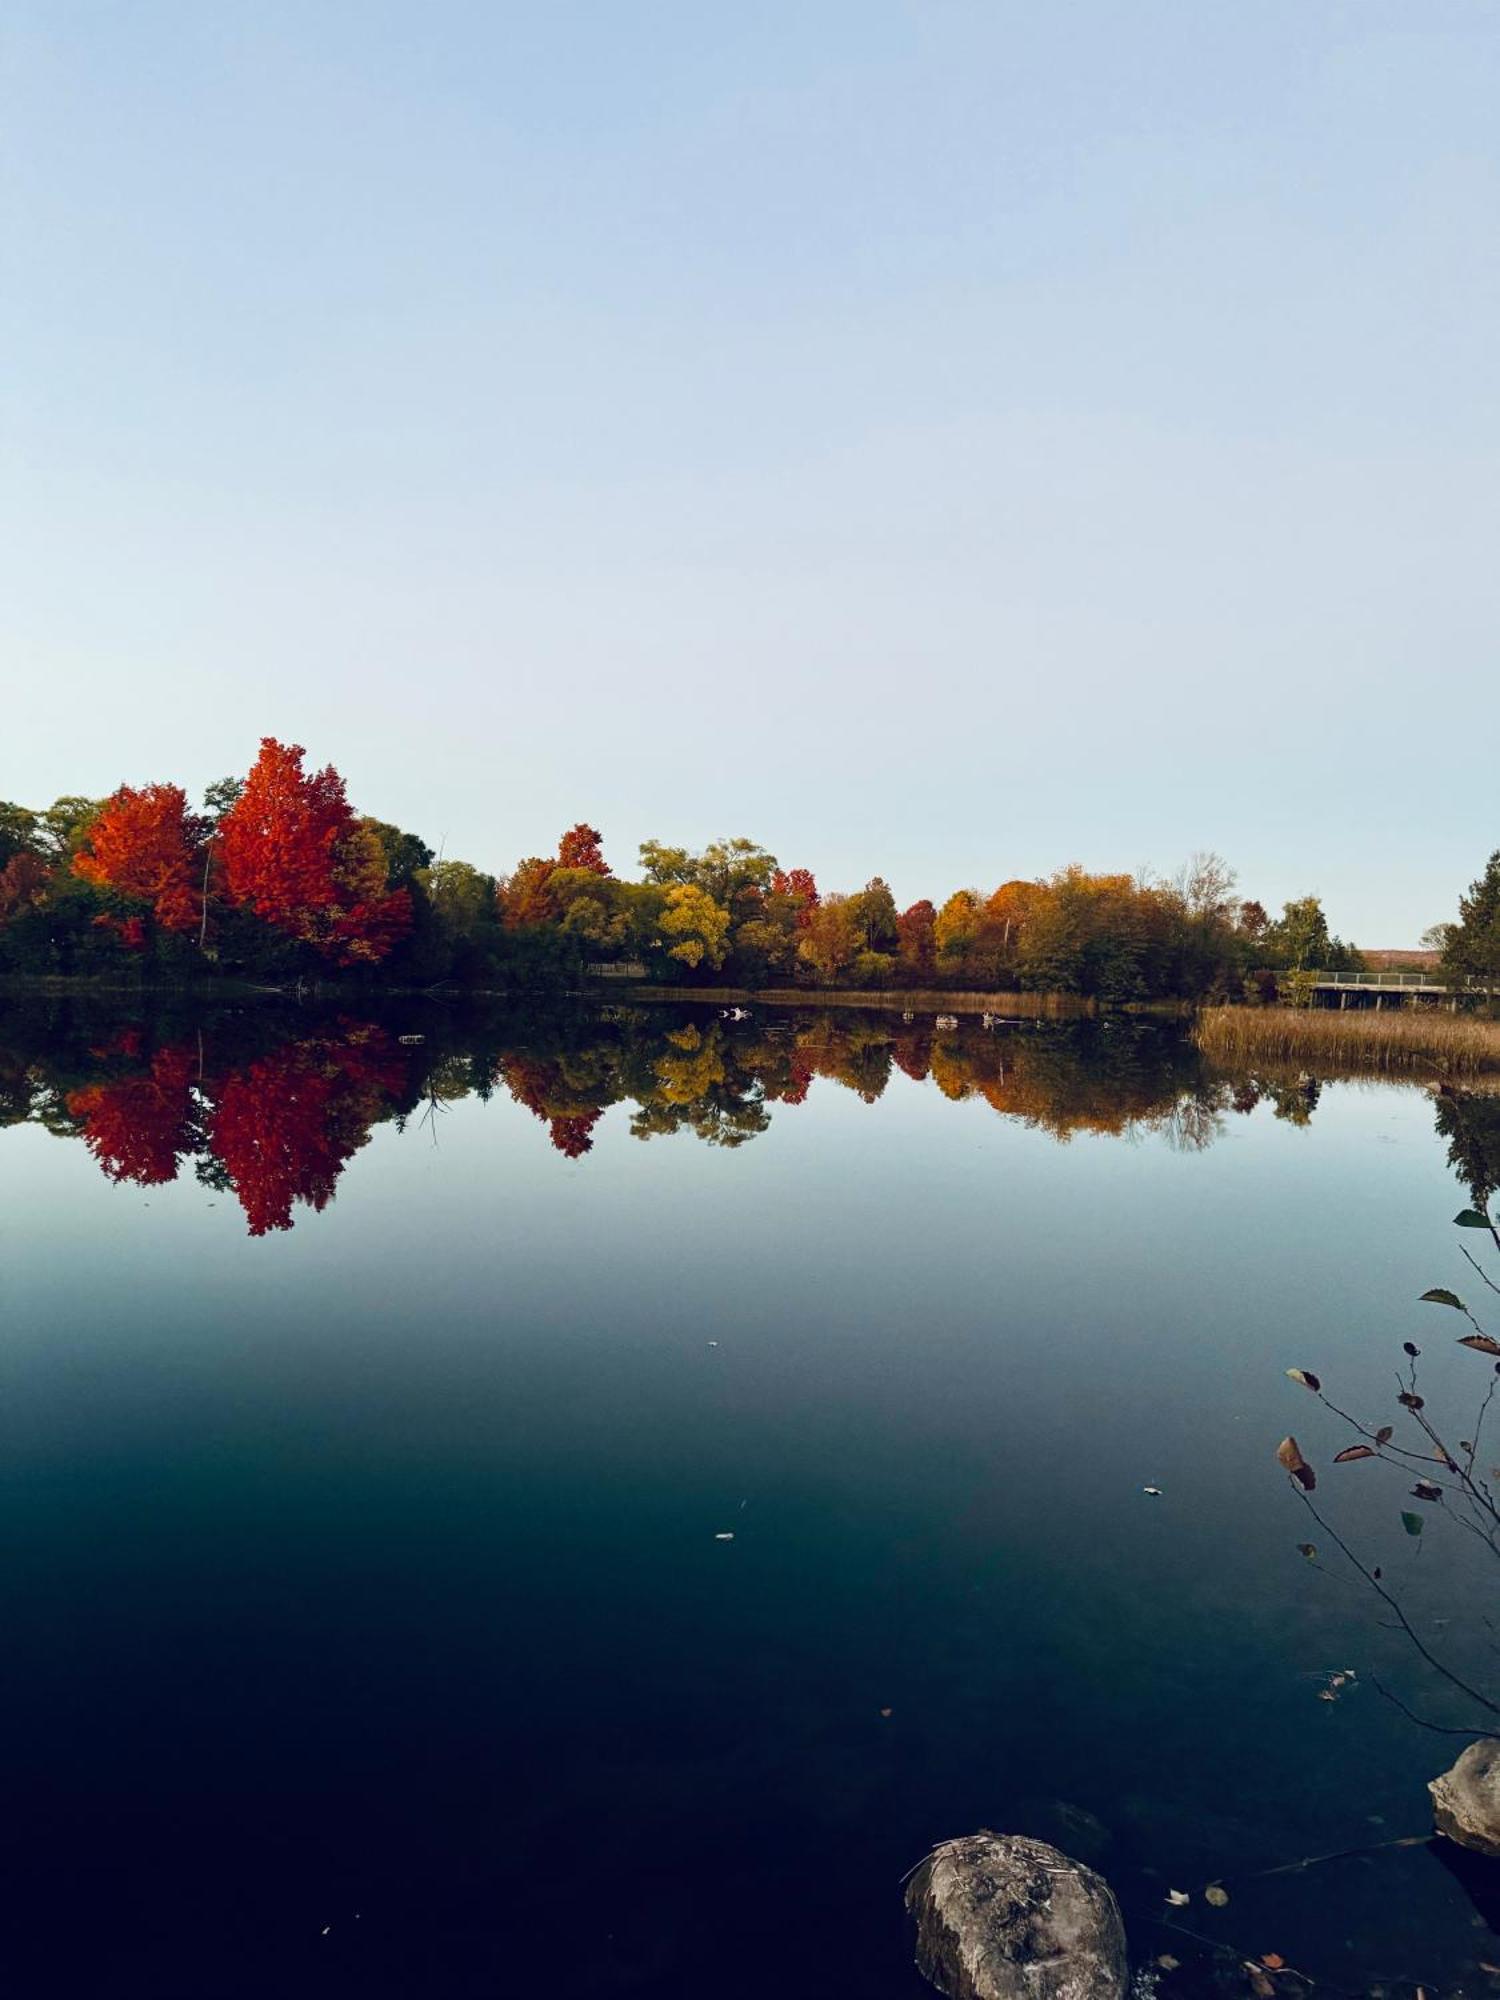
{"points": [[1352, 1452], [1308, 1549], [1425, 1490], [1289, 1456], [1407, 1347], [1166, 1961], [1481, 1343], [1273, 1959], [1385, 1434], [1441, 1296], [1216, 1894], [1410, 1401], [1412, 1523], [1308, 1380], [1178, 1898]]}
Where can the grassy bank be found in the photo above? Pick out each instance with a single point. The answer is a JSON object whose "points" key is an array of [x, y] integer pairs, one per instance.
{"points": [[1422, 1043], [1020, 1006]]}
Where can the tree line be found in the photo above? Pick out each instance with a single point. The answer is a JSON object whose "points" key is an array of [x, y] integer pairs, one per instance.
{"points": [[275, 876]]}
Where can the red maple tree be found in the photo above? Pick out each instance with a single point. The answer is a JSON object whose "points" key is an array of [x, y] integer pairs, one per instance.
{"points": [[800, 885], [293, 852], [580, 848], [143, 845]]}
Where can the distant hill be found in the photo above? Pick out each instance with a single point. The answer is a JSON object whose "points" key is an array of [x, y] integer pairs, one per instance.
{"points": [[1402, 961]]}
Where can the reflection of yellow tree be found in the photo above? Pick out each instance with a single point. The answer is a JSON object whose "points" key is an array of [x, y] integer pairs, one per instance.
{"points": [[696, 1065]]}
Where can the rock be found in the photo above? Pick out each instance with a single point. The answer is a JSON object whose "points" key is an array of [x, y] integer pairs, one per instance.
{"points": [[1466, 1800], [1002, 1917]]}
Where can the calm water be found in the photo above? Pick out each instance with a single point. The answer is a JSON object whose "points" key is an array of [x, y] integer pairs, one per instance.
{"points": [[367, 1623]]}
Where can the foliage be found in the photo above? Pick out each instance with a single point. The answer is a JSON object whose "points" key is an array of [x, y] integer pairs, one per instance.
{"points": [[1454, 1487], [143, 845], [293, 852], [1471, 947]]}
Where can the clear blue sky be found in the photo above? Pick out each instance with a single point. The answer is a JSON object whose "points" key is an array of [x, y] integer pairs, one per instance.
{"points": [[951, 439]]}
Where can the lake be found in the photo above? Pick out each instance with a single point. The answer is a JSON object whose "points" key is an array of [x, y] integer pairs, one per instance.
{"points": [[577, 1504]]}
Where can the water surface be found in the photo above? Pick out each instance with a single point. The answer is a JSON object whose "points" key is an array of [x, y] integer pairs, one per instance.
{"points": [[375, 1412]]}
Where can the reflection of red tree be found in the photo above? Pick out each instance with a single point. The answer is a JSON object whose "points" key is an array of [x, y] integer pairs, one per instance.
{"points": [[573, 1137], [800, 1072], [285, 1127], [139, 1128], [546, 1094]]}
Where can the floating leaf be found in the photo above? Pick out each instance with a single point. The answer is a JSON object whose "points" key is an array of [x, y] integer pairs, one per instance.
{"points": [[1385, 1434], [1289, 1456], [1441, 1296], [1272, 1959], [1216, 1894], [1425, 1490], [1407, 1348], [1481, 1343], [1178, 1898], [1412, 1523], [1310, 1381], [1412, 1402], [1470, 1218], [1309, 1550], [1351, 1452]]}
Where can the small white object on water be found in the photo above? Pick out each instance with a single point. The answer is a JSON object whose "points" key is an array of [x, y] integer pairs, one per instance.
{"points": [[1154, 1491], [1178, 1898], [713, 1343], [724, 1535]]}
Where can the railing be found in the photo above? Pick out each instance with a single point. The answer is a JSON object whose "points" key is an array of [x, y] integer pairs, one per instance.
{"points": [[1428, 980]]}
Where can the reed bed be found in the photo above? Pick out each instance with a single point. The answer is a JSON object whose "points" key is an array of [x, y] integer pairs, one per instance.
{"points": [[1023, 1006], [1424, 1043]]}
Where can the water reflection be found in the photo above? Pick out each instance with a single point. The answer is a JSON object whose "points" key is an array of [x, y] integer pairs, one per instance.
{"points": [[272, 1108]]}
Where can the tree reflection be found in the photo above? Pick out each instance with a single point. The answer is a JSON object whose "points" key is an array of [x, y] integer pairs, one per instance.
{"points": [[272, 1110]]}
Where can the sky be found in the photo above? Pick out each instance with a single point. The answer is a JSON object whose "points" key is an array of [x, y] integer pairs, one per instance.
{"points": [[948, 440]]}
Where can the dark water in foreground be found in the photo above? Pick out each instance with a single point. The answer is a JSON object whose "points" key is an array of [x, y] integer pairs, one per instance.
{"points": [[368, 1626]]}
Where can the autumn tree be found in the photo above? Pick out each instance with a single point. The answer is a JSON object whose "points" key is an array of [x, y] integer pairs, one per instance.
{"points": [[696, 926], [143, 846], [23, 884], [955, 928], [580, 848], [916, 944], [832, 939], [294, 853], [800, 888]]}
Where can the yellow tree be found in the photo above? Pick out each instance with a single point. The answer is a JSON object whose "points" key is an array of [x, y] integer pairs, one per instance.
{"points": [[699, 925]]}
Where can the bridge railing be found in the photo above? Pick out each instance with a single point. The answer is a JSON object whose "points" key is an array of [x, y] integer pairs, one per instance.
{"points": [[1429, 980]]}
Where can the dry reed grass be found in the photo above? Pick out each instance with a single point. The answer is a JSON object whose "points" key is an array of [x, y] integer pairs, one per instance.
{"points": [[1423, 1042]]}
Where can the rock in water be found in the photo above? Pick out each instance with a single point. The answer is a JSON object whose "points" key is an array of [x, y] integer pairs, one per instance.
{"points": [[1001, 1917], [1466, 1800]]}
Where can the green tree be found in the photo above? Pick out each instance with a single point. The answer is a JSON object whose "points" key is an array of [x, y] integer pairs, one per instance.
{"points": [[1472, 947], [461, 898], [873, 909]]}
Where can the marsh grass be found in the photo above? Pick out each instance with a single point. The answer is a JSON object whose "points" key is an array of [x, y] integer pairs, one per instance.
{"points": [[1423, 1042]]}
